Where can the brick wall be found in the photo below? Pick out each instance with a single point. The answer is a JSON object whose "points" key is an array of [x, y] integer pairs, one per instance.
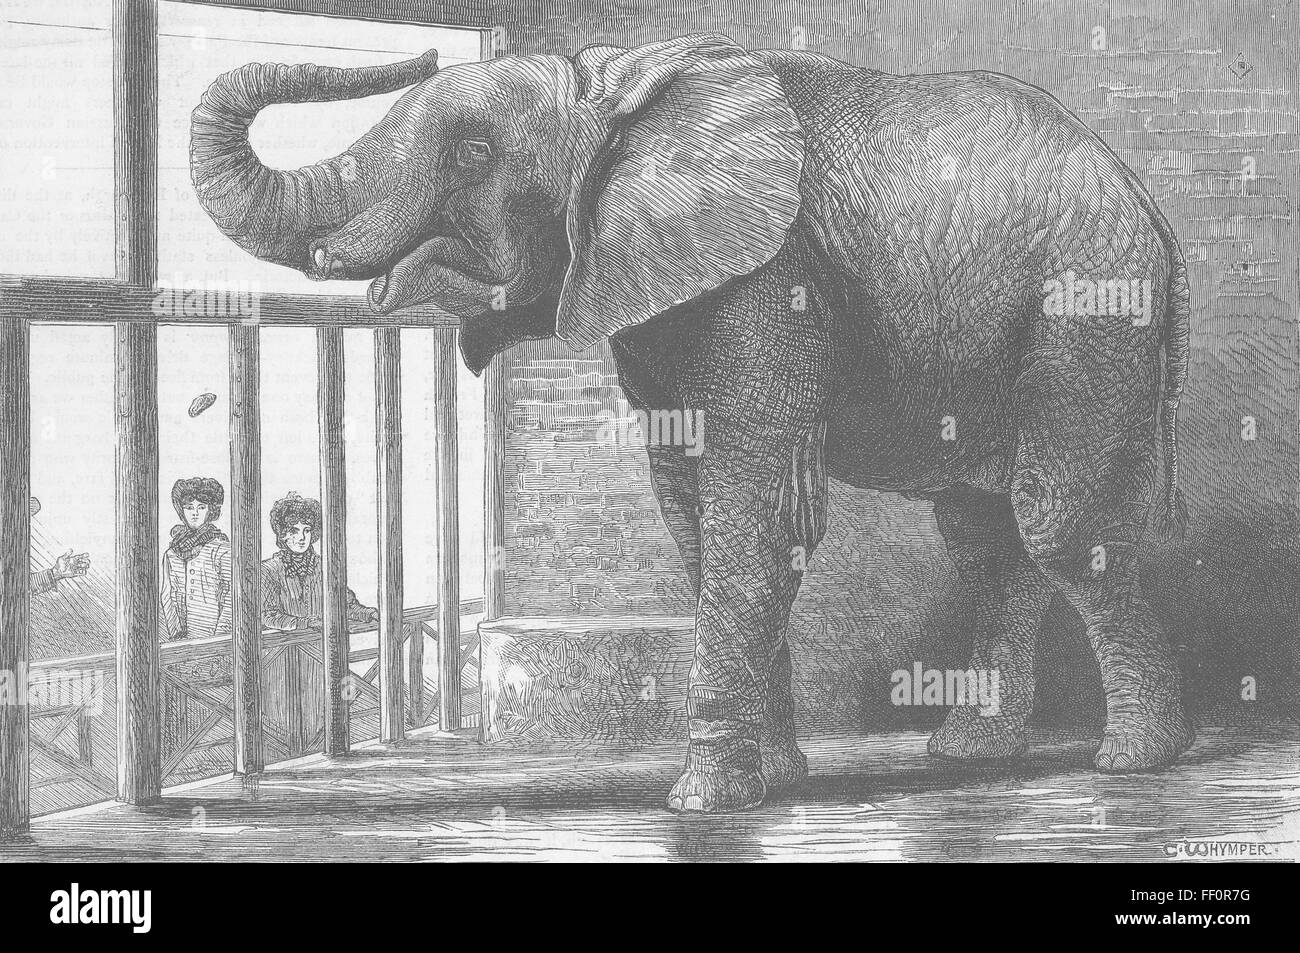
{"points": [[1190, 95], [583, 530]]}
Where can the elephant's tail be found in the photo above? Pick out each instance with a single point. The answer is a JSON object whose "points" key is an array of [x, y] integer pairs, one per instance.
{"points": [[1177, 334]]}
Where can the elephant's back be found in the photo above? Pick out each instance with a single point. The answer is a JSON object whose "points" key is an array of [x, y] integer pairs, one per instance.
{"points": [[948, 203], [950, 199], [961, 162]]}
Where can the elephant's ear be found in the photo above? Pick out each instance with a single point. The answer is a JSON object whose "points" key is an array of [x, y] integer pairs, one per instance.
{"points": [[697, 181]]}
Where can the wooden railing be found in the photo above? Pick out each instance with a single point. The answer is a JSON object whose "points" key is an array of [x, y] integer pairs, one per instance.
{"points": [[73, 744]]}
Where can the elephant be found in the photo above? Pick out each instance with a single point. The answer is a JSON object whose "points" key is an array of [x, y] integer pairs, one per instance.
{"points": [[943, 286]]}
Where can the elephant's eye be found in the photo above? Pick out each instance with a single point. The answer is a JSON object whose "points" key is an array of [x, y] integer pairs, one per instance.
{"points": [[473, 153]]}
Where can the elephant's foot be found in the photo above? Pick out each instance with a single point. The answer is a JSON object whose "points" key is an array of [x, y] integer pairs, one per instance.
{"points": [[721, 776], [1146, 739], [784, 765], [967, 735]]}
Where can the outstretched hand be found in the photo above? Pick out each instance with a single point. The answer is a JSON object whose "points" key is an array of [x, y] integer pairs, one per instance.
{"points": [[69, 565]]}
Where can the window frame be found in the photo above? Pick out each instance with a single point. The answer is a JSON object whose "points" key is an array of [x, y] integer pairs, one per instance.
{"points": [[127, 302], [131, 295]]}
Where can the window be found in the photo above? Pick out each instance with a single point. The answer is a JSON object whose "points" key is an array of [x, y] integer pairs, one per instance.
{"points": [[72, 435], [57, 199], [56, 138]]}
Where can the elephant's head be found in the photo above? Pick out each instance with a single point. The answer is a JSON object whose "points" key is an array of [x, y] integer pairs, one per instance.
{"points": [[532, 195]]}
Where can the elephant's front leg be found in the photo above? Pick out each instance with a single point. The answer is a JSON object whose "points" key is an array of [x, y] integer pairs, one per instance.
{"points": [[675, 477], [755, 512]]}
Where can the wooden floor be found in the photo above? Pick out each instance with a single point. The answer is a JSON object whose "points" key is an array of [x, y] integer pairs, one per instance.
{"points": [[870, 797]]}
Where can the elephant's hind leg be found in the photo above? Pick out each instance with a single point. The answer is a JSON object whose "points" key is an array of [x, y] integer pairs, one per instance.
{"points": [[1081, 500], [1011, 597]]}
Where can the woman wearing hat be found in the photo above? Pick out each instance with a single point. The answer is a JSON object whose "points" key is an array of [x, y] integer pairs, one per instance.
{"points": [[292, 582], [196, 566]]}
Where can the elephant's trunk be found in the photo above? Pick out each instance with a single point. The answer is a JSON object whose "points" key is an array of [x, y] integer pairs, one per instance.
{"points": [[270, 213]]}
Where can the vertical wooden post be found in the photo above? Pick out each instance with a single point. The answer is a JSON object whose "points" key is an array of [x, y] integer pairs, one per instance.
{"points": [[85, 738], [415, 677], [448, 480], [15, 573], [246, 545], [139, 752], [333, 538], [388, 470], [293, 692], [494, 480], [135, 153], [135, 140]]}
